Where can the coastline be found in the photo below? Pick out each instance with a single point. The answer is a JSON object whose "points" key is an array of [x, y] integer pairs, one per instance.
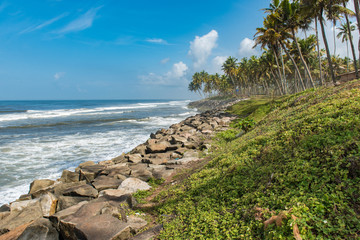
{"points": [[113, 181]]}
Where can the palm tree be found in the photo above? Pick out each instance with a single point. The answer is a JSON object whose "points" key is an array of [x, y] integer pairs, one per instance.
{"points": [[229, 68], [357, 13], [344, 35], [292, 20], [312, 8]]}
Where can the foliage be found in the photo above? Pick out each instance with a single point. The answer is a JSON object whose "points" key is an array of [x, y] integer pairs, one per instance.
{"points": [[301, 161]]}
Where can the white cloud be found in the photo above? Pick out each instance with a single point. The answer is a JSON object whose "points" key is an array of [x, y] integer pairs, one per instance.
{"points": [[59, 75], [175, 77], [156, 40], [44, 24], [81, 23], [165, 60], [246, 48], [217, 63], [201, 48]]}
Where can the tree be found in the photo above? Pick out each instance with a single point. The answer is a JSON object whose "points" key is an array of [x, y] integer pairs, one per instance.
{"points": [[345, 37]]}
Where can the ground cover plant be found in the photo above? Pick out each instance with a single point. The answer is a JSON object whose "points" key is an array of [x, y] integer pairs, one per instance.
{"points": [[292, 174]]}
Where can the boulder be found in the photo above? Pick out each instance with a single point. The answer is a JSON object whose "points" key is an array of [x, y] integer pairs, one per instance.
{"points": [[65, 202], [141, 149], [142, 174], [68, 176], [176, 139], [66, 212], [85, 164], [4, 215], [25, 197], [5, 208], [48, 204], [157, 147], [104, 227], [119, 159], [105, 182], [40, 229], [134, 184], [134, 158], [136, 223], [40, 184], [89, 173], [191, 154], [114, 193], [15, 233], [61, 188], [18, 218], [21, 205], [121, 168], [81, 191]]}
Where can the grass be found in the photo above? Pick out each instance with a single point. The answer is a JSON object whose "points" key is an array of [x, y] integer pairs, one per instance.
{"points": [[299, 165]]}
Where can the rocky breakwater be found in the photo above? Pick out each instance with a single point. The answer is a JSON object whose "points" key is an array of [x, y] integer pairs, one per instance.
{"points": [[95, 201]]}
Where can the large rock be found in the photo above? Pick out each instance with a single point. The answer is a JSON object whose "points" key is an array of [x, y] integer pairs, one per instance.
{"points": [[15, 233], [134, 158], [68, 176], [89, 173], [81, 191], [104, 227], [157, 147], [134, 184], [40, 229], [65, 202], [114, 193], [55, 218], [21, 205], [40, 184], [142, 174], [104, 182], [18, 218], [48, 204], [141, 149], [62, 187], [176, 139], [114, 170]]}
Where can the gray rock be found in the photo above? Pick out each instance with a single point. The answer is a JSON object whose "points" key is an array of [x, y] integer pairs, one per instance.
{"points": [[104, 182], [55, 218], [62, 187], [5, 208], [89, 173], [40, 229], [134, 158], [142, 174], [134, 184]]}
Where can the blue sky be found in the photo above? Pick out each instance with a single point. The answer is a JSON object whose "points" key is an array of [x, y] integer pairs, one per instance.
{"points": [[110, 49]]}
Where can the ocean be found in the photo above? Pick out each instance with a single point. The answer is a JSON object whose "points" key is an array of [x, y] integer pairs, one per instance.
{"points": [[39, 139]]}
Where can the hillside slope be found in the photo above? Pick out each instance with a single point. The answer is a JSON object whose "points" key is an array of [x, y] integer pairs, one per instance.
{"points": [[294, 174]]}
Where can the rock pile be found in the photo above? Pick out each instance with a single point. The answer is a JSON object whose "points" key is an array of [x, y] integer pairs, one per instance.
{"points": [[94, 202]]}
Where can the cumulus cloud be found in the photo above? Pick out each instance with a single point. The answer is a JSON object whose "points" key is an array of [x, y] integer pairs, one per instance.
{"points": [[201, 48], [246, 48], [59, 75], [156, 40], [81, 23], [44, 24], [217, 63], [175, 77], [165, 60]]}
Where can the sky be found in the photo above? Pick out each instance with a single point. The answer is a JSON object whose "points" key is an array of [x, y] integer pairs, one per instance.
{"points": [[110, 49]]}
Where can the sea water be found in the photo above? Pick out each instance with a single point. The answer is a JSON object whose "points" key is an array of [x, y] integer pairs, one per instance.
{"points": [[39, 139]]}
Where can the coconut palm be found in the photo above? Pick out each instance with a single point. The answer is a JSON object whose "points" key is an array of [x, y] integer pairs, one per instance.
{"points": [[345, 36]]}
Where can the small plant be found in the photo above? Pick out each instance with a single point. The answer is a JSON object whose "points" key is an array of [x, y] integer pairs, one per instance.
{"points": [[245, 124]]}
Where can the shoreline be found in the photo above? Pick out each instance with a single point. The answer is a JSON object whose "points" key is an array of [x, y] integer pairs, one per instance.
{"points": [[114, 181]]}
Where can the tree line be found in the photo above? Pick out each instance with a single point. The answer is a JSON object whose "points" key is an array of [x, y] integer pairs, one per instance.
{"points": [[288, 64]]}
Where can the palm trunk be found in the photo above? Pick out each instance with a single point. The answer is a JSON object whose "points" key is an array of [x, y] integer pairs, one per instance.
{"points": [[327, 48], [351, 43], [296, 67], [302, 58], [318, 51], [334, 35], [283, 68], [277, 81], [278, 67], [357, 13]]}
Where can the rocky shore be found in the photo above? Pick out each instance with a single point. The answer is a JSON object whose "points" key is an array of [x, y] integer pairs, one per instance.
{"points": [[95, 201]]}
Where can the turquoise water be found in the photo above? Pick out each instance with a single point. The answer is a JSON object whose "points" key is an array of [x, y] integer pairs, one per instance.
{"points": [[39, 139]]}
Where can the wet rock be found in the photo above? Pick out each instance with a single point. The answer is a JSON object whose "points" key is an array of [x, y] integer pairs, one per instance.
{"points": [[40, 229], [81, 191], [134, 184], [68, 176], [105, 182], [41, 184]]}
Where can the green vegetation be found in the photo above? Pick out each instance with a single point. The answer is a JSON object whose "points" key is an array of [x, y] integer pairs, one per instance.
{"points": [[294, 174], [288, 64]]}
